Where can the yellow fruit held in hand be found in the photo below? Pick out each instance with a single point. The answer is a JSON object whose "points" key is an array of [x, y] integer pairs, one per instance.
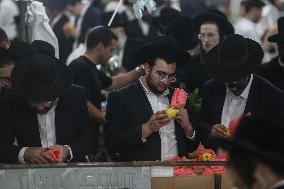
{"points": [[171, 112]]}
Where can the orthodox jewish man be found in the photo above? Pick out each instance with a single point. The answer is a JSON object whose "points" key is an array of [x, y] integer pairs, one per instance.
{"points": [[254, 162], [235, 91], [49, 114], [274, 70], [137, 126]]}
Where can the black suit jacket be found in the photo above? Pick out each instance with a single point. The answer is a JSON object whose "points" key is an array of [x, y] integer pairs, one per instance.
{"points": [[273, 72], [64, 43], [127, 110], [91, 19], [72, 126], [264, 101]]}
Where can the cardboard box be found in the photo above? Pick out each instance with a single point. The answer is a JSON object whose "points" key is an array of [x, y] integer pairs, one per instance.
{"points": [[195, 182]]}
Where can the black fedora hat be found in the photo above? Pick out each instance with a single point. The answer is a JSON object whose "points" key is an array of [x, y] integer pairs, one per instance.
{"points": [[280, 36], [182, 30], [162, 46], [41, 78], [120, 19], [234, 59], [23, 49], [43, 47], [252, 135], [214, 16], [8, 54], [166, 17]]}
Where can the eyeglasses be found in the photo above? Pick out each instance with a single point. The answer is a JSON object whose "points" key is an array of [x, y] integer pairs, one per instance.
{"points": [[209, 35], [163, 76]]}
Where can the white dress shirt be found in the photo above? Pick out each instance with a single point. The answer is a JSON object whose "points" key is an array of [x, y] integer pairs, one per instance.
{"points": [[234, 106], [167, 133]]}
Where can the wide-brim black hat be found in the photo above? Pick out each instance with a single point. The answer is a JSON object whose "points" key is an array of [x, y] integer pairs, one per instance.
{"points": [[279, 37], [234, 59], [23, 49], [43, 47], [41, 78], [182, 30], [162, 46], [214, 16], [8, 54], [251, 136], [166, 17]]}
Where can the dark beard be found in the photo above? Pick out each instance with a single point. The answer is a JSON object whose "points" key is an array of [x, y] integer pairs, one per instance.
{"points": [[153, 88]]}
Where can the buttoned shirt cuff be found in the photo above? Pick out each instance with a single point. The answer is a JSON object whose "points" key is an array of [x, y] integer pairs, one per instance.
{"points": [[192, 137], [21, 155], [71, 154]]}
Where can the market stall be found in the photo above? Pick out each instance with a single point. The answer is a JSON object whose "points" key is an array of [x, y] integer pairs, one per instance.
{"points": [[135, 175]]}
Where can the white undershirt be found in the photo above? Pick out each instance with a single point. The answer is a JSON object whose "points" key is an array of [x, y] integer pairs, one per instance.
{"points": [[167, 133], [234, 106]]}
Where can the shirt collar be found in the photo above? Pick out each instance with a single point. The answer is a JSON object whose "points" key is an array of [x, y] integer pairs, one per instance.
{"points": [[245, 93], [166, 92]]}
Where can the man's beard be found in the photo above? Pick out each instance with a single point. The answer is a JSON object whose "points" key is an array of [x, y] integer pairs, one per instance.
{"points": [[154, 87]]}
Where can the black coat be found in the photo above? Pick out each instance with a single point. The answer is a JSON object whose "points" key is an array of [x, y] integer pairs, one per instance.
{"points": [[264, 101], [134, 30], [65, 43], [273, 72], [129, 62], [91, 18], [72, 126], [127, 110]]}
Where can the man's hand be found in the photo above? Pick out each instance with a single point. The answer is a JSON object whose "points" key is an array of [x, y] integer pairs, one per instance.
{"points": [[219, 130], [36, 155], [156, 121], [183, 120], [63, 151]]}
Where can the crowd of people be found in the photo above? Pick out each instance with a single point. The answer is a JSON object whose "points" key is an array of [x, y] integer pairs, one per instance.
{"points": [[56, 103]]}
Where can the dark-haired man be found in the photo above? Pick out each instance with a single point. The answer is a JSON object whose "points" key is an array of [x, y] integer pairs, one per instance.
{"points": [[255, 162], [38, 119], [137, 126], [235, 91]]}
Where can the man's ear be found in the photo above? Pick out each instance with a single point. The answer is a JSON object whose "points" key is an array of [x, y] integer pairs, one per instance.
{"points": [[147, 67], [100, 46]]}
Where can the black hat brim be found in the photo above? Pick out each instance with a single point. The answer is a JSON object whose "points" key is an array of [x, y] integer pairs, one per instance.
{"points": [[8, 54], [216, 71], [223, 23], [38, 94], [147, 52]]}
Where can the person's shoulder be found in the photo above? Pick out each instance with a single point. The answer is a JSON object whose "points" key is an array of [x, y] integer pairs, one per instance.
{"points": [[79, 62], [266, 85], [128, 90]]}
